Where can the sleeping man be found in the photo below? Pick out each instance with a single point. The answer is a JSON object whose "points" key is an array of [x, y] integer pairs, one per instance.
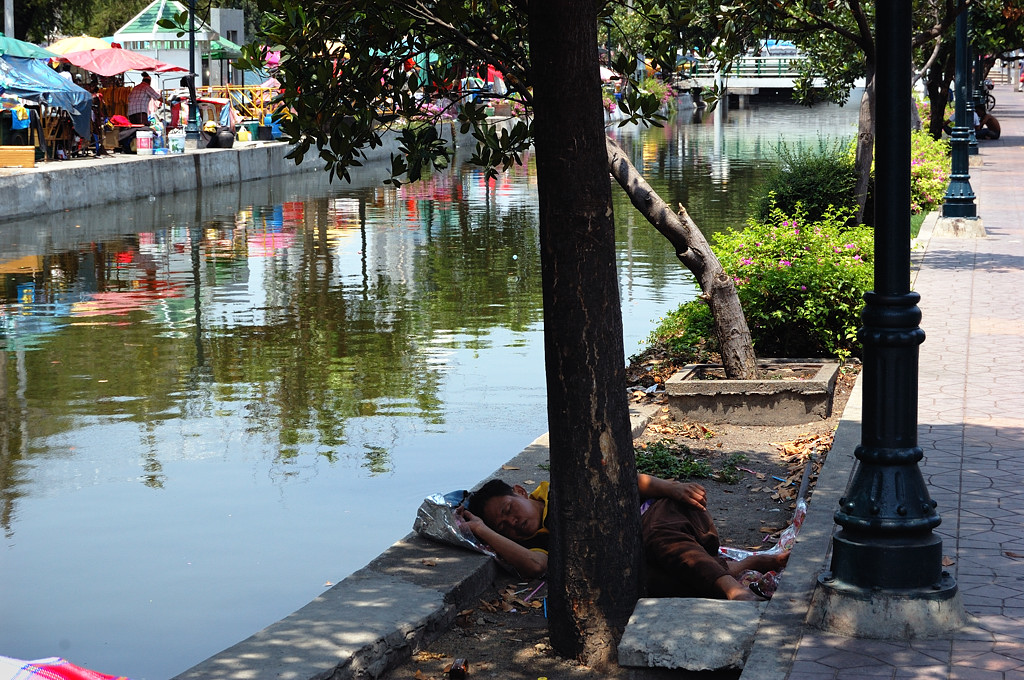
{"points": [[679, 537]]}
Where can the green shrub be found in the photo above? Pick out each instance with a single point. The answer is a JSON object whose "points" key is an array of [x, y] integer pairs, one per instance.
{"points": [[929, 171], [817, 178], [801, 284]]}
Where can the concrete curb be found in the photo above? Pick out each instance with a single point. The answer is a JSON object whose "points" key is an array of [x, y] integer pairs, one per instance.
{"points": [[781, 625]]}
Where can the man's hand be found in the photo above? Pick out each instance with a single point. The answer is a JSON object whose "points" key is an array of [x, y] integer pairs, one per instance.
{"points": [[529, 563], [684, 492], [470, 520], [690, 493]]}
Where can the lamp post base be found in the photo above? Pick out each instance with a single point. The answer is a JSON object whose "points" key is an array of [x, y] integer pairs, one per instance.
{"points": [[959, 227], [887, 614]]}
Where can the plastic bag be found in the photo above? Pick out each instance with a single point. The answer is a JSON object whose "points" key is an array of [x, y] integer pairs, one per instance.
{"points": [[436, 519], [786, 539]]}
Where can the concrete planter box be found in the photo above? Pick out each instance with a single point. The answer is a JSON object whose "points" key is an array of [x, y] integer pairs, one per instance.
{"points": [[794, 391]]}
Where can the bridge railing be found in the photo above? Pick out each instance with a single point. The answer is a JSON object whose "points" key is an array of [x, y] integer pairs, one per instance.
{"points": [[749, 67]]}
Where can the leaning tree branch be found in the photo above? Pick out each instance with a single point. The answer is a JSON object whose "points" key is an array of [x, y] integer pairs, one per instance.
{"points": [[694, 251]]}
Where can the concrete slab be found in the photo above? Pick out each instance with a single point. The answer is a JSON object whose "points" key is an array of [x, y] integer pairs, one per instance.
{"points": [[690, 634], [754, 402]]}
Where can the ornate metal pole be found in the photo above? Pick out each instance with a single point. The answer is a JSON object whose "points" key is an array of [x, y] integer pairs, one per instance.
{"points": [[959, 199], [886, 558], [192, 126]]}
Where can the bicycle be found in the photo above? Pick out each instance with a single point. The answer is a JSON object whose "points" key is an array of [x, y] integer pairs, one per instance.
{"points": [[990, 99]]}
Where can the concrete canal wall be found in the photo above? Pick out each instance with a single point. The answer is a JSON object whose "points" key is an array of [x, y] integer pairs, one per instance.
{"points": [[82, 182]]}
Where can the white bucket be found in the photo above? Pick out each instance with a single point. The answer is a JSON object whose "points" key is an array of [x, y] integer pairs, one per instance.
{"points": [[144, 142], [176, 141]]}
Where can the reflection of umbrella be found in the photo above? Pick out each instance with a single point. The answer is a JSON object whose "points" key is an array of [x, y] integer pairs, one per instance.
{"points": [[267, 245], [115, 61], [12, 47], [119, 304], [78, 43]]}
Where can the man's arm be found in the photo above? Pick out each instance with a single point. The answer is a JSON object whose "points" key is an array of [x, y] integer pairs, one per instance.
{"points": [[529, 563], [684, 492]]}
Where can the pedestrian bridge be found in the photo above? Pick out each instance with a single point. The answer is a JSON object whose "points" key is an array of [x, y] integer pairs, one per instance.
{"points": [[748, 74]]}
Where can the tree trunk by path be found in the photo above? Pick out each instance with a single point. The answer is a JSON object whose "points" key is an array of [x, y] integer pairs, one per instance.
{"points": [[865, 142], [694, 251], [594, 572]]}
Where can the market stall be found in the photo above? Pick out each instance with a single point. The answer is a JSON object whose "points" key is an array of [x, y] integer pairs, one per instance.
{"points": [[63, 108]]}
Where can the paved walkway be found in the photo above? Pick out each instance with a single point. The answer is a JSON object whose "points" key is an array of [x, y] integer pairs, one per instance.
{"points": [[971, 427]]}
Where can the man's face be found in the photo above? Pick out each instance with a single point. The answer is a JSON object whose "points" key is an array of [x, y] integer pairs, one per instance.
{"points": [[517, 517]]}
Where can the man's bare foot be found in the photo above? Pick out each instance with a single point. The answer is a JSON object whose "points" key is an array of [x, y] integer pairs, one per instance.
{"points": [[759, 562], [734, 590]]}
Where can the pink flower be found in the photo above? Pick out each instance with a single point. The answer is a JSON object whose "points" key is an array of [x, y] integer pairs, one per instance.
{"points": [[785, 263]]}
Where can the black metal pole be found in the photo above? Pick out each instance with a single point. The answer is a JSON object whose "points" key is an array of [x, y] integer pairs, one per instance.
{"points": [[970, 93], [886, 516], [959, 199], [192, 126]]}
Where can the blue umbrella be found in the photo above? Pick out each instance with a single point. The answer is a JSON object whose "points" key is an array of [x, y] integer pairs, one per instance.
{"points": [[6, 77], [32, 79]]}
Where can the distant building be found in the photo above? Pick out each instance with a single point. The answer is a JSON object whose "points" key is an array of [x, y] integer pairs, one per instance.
{"points": [[144, 34]]}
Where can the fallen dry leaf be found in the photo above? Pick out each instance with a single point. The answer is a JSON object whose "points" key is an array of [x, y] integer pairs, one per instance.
{"points": [[1013, 554], [428, 562], [948, 561], [509, 467]]}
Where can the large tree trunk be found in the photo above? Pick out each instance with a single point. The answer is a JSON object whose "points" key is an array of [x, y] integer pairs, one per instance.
{"points": [[940, 78], [695, 253], [595, 562], [865, 142]]}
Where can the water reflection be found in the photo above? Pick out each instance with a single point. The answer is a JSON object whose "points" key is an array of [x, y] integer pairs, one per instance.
{"points": [[216, 402]]}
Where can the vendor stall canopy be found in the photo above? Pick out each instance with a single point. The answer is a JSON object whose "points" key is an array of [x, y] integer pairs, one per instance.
{"points": [[12, 47]]}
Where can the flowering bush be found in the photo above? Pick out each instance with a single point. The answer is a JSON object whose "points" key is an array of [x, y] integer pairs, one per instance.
{"points": [[929, 171], [660, 89], [608, 99], [801, 284]]}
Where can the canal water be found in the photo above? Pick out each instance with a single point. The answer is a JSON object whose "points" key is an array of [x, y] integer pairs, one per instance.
{"points": [[215, 405]]}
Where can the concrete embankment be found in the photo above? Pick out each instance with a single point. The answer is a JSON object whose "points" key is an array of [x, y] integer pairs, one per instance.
{"points": [[82, 182]]}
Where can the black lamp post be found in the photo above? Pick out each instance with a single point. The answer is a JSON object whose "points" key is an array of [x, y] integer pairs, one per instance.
{"points": [[971, 91], [192, 126], [959, 198], [886, 517]]}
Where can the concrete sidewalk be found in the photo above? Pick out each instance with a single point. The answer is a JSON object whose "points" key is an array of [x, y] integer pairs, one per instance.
{"points": [[971, 385]]}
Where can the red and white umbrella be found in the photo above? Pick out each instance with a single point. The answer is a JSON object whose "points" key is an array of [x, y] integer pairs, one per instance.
{"points": [[115, 61]]}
